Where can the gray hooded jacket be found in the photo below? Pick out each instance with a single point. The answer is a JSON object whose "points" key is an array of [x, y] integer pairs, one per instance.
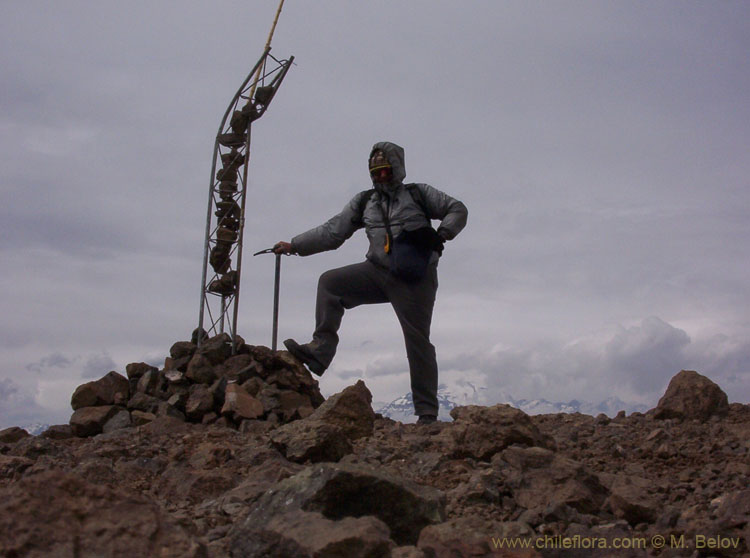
{"points": [[403, 213]]}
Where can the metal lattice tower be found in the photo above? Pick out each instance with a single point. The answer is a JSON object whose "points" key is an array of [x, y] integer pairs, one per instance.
{"points": [[225, 220]]}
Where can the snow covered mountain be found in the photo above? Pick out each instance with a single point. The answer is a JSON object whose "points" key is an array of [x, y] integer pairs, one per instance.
{"points": [[402, 409]]}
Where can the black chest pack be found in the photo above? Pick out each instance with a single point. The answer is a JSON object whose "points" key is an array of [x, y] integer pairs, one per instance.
{"points": [[410, 252]]}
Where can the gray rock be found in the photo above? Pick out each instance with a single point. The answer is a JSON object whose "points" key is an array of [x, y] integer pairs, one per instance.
{"points": [[338, 491], [121, 419]]}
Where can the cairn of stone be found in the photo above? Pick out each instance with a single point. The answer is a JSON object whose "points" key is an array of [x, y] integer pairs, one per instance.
{"points": [[207, 385]]}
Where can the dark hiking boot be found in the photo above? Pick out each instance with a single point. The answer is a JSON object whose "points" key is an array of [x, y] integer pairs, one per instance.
{"points": [[427, 419], [303, 354]]}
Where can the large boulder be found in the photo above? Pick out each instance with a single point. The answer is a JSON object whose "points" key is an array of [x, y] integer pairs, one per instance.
{"points": [[480, 432], [326, 434], [112, 389], [338, 491], [350, 410], [691, 396]]}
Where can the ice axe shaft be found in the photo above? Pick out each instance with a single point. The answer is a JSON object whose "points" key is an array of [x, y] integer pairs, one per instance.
{"points": [[276, 286]]}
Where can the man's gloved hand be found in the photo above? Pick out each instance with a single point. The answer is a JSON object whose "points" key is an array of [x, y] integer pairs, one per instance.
{"points": [[282, 247]]}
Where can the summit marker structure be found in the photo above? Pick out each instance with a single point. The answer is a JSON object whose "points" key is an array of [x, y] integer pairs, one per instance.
{"points": [[227, 194]]}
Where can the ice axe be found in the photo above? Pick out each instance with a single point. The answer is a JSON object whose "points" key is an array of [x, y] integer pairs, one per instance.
{"points": [[276, 281]]}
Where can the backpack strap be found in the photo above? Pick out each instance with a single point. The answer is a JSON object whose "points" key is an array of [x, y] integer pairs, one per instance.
{"points": [[363, 198], [418, 197]]}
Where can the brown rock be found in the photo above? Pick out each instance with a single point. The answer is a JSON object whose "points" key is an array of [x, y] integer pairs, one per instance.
{"points": [[310, 535], [200, 401], [239, 404], [631, 499], [112, 389], [200, 370], [691, 395], [59, 514], [480, 432], [217, 349], [89, 421], [294, 405], [13, 467], [58, 432], [475, 537], [182, 349], [539, 478], [301, 441], [140, 418], [348, 410], [13, 434]]}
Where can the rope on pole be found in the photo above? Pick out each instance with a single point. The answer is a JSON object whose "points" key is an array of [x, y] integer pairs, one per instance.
{"points": [[267, 47]]}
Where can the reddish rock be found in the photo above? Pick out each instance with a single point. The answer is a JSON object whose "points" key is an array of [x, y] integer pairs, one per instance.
{"points": [[112, 389], [238, 404], [691, 396]]}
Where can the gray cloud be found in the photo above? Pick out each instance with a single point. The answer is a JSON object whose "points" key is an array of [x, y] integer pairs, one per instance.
{"points": [[97, 366], [54, 360]]}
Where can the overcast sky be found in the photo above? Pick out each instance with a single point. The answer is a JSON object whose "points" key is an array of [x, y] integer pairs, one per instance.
{"points": [[601, 148]]}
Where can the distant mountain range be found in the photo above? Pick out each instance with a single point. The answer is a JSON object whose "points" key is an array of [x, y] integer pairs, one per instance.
{"points": [[402, 408]]}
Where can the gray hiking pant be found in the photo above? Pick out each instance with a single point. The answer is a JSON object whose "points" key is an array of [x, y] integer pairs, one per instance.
{"points": [[366, 283]]}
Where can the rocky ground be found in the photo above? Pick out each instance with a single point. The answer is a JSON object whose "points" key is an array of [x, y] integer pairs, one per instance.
{"points": [[220, 455]]}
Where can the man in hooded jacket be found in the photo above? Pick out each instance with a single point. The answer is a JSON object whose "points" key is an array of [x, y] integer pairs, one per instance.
{"points": [[384, 212]]}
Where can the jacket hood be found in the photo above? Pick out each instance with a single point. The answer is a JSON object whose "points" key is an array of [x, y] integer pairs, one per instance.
{"points": [[395, 155]]}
